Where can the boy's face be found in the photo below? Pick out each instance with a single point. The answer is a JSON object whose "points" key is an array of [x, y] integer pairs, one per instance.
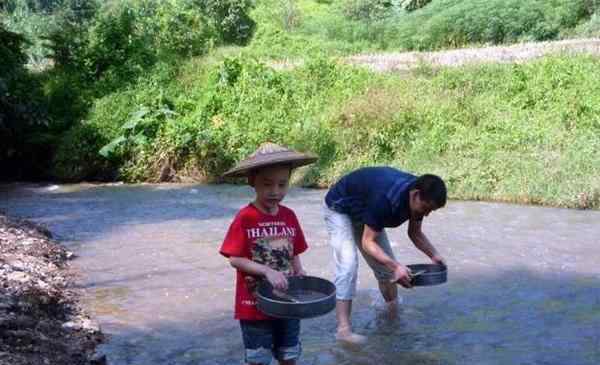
{"points": [[419, 207], [271, 184]]}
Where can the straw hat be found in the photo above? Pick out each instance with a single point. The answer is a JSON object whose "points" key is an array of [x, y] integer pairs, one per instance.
{"points": [[270, 154]]}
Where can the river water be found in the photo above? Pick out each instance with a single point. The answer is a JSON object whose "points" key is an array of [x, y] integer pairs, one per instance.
{"points": [[523, 288]]}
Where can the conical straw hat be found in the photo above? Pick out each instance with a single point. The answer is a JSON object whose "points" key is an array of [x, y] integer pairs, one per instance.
{"points": [[270, 154]]}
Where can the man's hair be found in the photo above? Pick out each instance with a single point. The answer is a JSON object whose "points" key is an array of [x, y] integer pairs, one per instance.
{"points": [[432, 188]]}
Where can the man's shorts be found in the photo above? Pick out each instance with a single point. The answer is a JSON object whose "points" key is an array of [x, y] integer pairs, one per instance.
{"points": [[345, 237], [279, 338]]}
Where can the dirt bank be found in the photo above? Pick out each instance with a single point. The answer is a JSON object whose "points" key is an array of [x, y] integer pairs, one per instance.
{"points": [[40, 320]]}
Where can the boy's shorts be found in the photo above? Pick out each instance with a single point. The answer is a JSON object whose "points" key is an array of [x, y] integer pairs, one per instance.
{"points": [[279, 338]]}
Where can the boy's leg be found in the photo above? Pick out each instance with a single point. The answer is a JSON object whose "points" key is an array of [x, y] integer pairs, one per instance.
{"points": [[258, 341], [341, 238], [286, 341], [388, 290]]}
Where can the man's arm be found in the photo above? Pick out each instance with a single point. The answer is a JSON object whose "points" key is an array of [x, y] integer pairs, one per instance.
{"points": [[370, 246], [421, 241]]}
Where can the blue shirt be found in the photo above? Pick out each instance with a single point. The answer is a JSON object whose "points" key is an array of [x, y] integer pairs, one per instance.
{"points": [[375, 196]]}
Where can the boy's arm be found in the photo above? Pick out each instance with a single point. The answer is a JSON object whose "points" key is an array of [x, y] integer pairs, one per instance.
{"points": [[276, 278], [297, 266], [421, 241]]}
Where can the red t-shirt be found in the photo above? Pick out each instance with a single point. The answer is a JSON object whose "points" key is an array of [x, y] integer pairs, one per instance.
{"points": [[271, 240]]}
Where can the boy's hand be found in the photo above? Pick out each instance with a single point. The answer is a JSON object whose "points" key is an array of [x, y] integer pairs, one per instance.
{"points": [[277, 279], [251, 283], [401, 275], [299, 272]]}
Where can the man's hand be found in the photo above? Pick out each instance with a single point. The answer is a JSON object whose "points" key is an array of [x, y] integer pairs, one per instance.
{"points": [[277, 279], [401, 275], [437, 259]]}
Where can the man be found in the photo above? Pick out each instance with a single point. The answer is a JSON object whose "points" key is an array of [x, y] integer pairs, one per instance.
{"points": [[358, 208]]}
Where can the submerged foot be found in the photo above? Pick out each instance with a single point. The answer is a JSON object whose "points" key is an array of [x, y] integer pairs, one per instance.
{"points": [[345, 335]]}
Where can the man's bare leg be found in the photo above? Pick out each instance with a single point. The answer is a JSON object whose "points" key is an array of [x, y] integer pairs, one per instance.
{"points": [[343, 308], [389, 291]]}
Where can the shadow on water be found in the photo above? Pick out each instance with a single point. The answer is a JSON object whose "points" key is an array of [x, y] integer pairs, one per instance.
{"points": [[511, 317]]}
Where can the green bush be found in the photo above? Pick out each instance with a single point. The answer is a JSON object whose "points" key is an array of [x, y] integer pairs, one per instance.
{"points": [[410, 5], [181, 29], [453, 23], [366, 10], [125, 38], [23, 116], [589, 29], [231, 18], [76, 158], [354, 26], [12, 52]]}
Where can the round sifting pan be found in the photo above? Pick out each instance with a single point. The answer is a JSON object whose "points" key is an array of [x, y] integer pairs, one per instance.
{"points": [[306, 297], [428, 274]]}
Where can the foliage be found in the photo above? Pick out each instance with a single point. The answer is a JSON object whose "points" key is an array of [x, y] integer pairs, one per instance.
{"points": [[141, 90], [410, 5], [231, 18], [348, 26], [22, 113], [366, 10], [76, 158], [290, 14], [12, 53]]}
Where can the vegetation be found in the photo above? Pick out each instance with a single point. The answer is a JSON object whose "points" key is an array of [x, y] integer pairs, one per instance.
{"points": [[345, 27], [144, 90]]}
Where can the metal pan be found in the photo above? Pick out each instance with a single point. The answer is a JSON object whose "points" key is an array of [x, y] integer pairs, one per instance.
{"points": [[428, 274], [306, 297]]}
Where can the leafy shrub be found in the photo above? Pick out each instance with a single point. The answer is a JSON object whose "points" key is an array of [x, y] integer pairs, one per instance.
{"points": [[125, 38], [77, 156], [453, 23], [410, 5], [36, 19], [366, 10], [23, 117], [181, 29], [231, 18], [290, 14], [591, 28], [12, 53]]}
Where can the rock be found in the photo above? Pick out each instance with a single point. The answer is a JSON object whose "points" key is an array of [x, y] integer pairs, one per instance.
{"points": [[90, 325], [72, 325], [82, 324], [18, 276], [98, 359]]}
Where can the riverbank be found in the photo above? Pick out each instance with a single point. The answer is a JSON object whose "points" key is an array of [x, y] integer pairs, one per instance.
{"points": [[41, 321]]}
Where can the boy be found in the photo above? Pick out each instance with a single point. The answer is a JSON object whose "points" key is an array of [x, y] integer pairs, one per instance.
{"points": [[358, 208], [265, 241]]}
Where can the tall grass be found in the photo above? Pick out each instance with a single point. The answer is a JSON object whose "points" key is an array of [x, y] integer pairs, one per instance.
{"points": [[440, 24], [525, 133]]}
